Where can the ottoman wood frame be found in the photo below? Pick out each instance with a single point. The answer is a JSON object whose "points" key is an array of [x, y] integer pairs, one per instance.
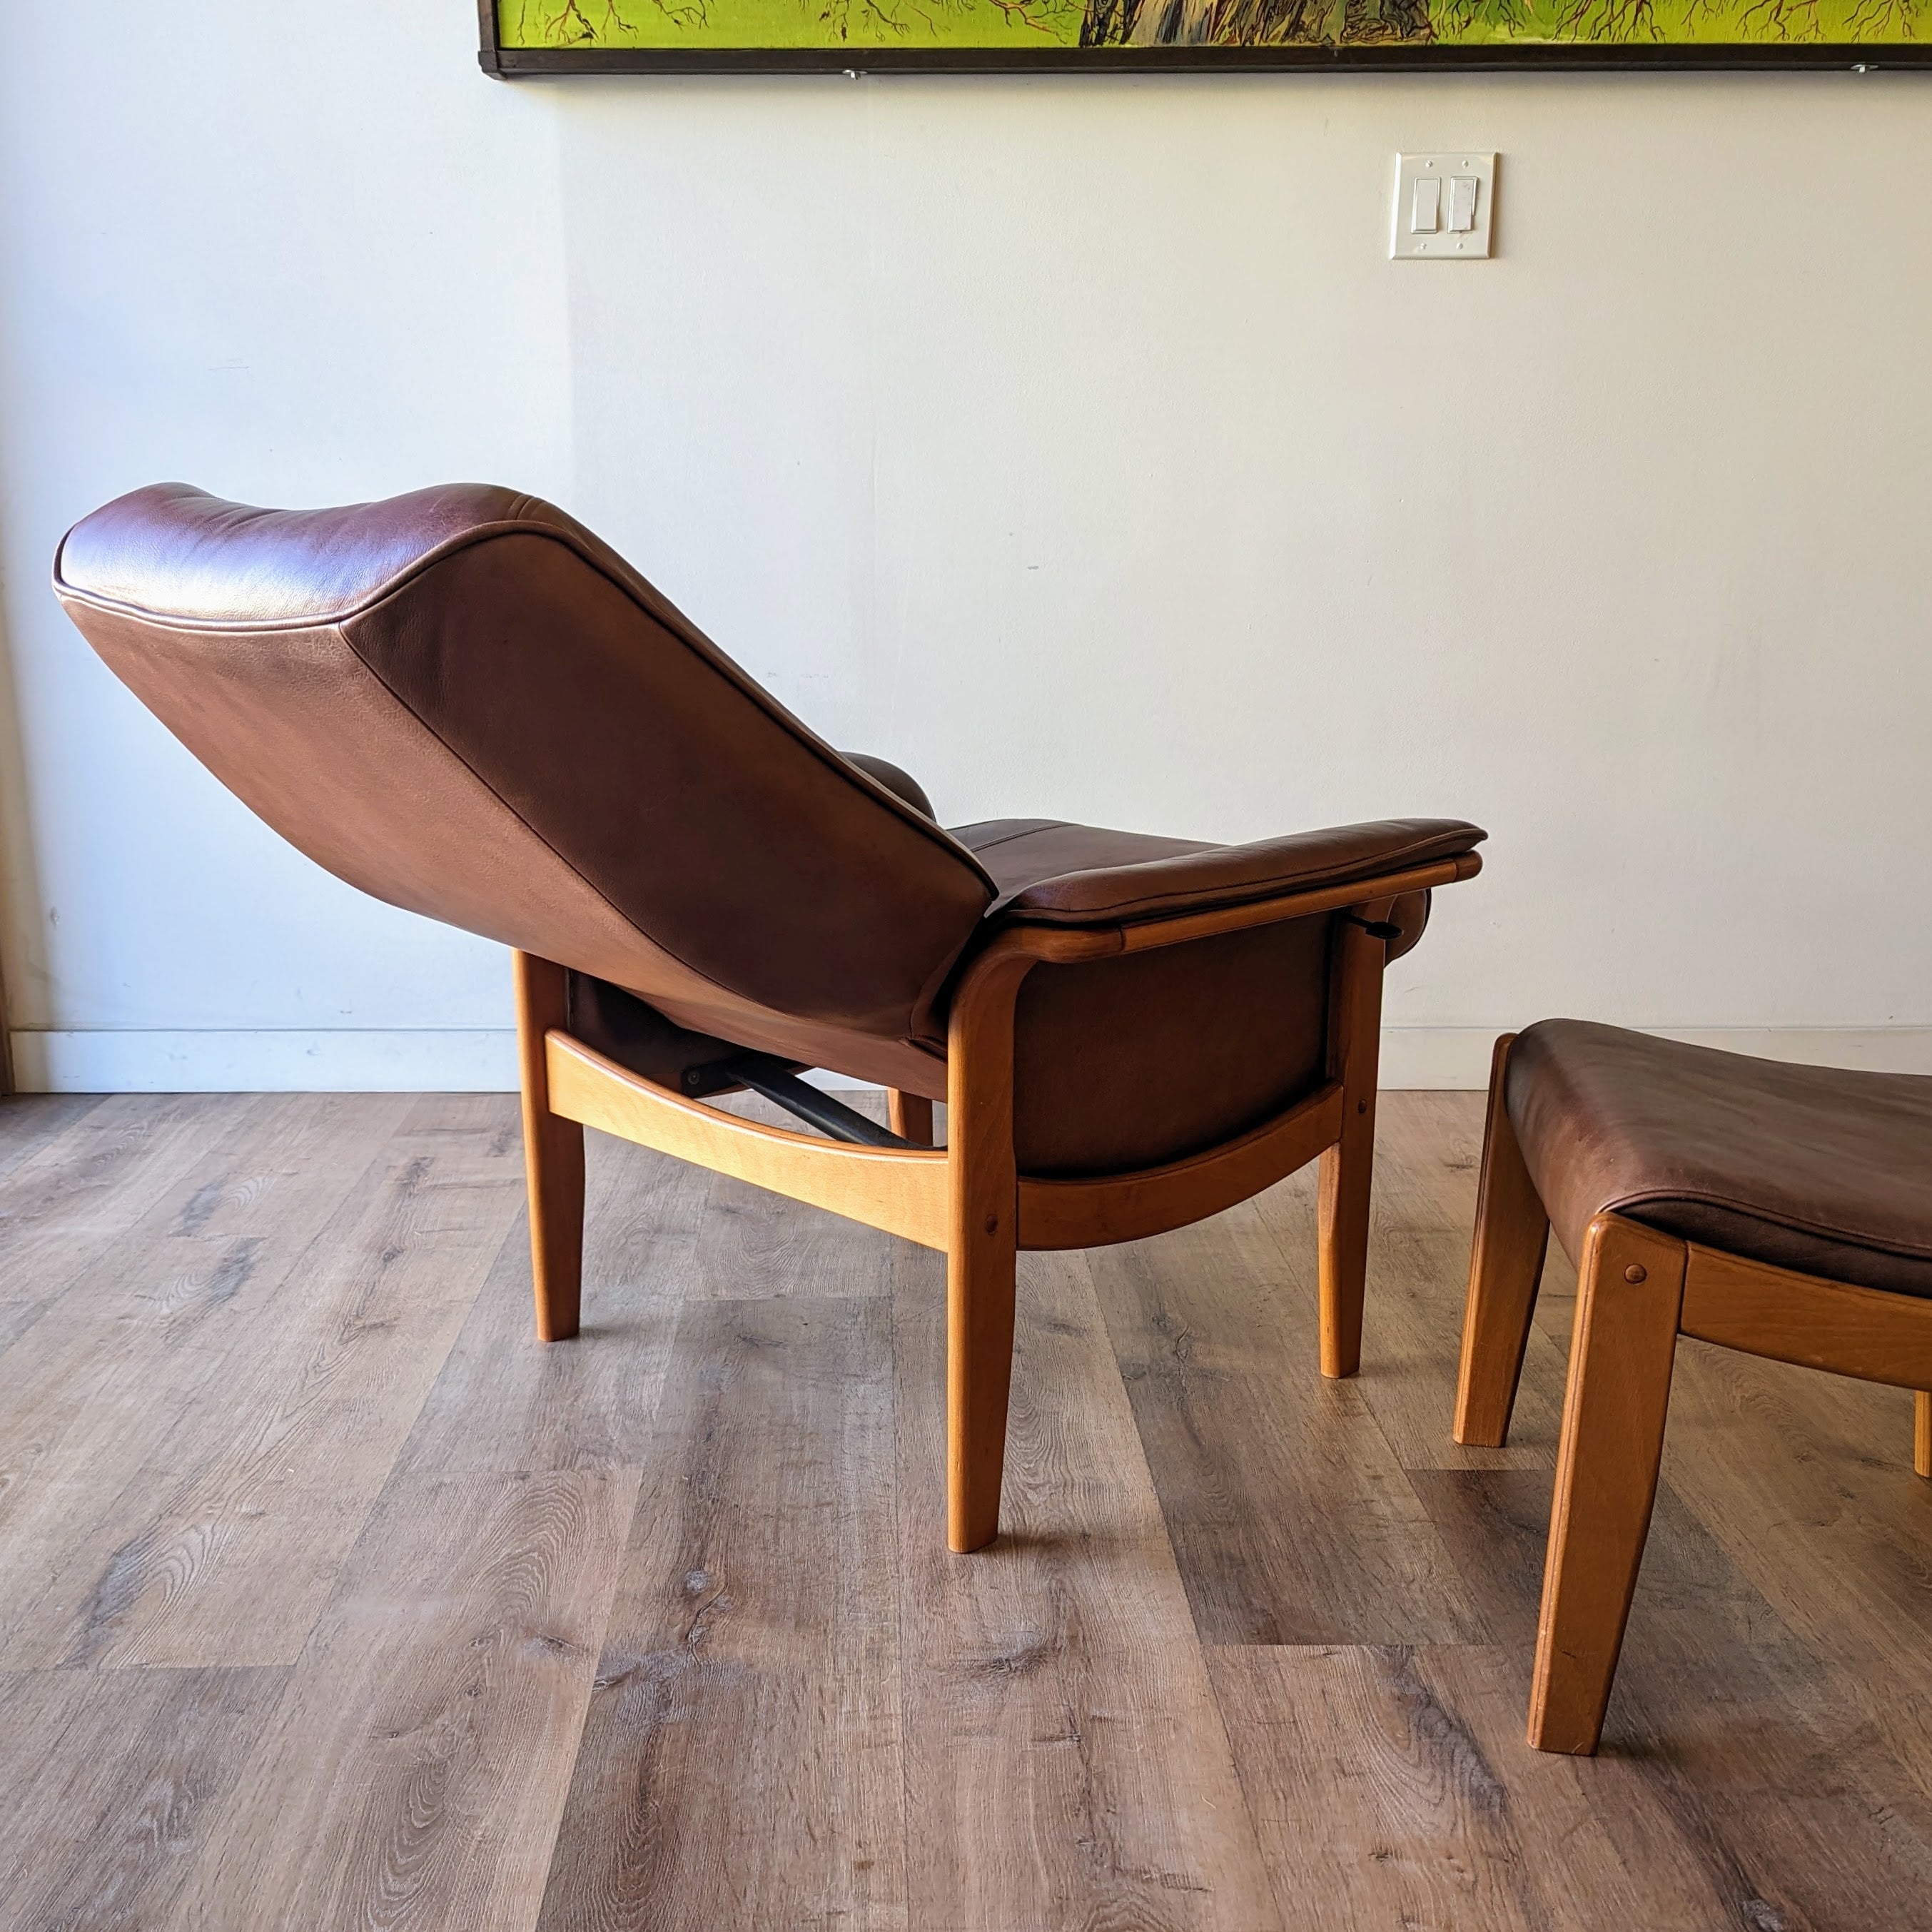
{"points": [[1637, 1291]]}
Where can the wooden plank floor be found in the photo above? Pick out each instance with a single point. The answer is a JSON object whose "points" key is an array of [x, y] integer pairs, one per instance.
{"points": [[329, 1599]]}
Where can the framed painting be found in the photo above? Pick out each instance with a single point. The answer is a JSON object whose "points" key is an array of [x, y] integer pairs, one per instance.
{"points": [[550, 37]]}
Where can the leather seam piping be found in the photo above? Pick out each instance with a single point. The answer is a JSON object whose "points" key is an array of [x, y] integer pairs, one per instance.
{"points": [[1033, 829], [1865, 1243]]}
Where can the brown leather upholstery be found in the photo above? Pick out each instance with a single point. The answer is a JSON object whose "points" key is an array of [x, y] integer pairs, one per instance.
{"points": [[1825, 1172], [1052, 873], [464, 702], [895, 780], [461, 702], [1123, 1063]]}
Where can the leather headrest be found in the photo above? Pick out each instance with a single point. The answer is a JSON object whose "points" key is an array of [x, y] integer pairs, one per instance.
{"points": [[171, 551]]}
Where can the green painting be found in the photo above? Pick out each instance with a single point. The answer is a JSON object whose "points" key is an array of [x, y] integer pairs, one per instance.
{"points": [[536, 36]]}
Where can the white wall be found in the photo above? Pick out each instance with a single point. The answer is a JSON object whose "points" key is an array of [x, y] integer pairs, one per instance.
{"points": [[1070, 441]]}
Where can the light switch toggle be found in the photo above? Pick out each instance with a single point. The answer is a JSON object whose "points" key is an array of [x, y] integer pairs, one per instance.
{"points": [[1425, 217], [1461, 203]]}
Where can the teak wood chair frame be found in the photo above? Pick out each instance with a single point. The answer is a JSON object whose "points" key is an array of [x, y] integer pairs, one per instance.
{"points": [[966, 1199], [1638, 1290]]}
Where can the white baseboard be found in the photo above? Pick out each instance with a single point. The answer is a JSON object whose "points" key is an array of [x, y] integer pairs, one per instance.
{"points": [[344, 1059], [484, 1060]]}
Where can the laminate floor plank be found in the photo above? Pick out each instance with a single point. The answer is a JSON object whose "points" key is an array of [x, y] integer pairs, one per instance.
{"points": [[28, 1121], [1292, 1521], [1731, 1749], [1066, 1761], [740, 1762], [413, 1771], [162, 1278], [758, 1245], [1392, 1787], [15, 1318], [1428, 1161], [1496, 1523], [108, 1786], [1804, 1480], [81, 1188], [318, 1366], [329, 1598], [124, 1353], [101, 1165], [505, 1400]]}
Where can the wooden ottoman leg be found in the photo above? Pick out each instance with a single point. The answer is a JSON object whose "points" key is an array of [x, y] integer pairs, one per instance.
{"points": [[1630, 1295], [1922, 1431], [553, 1153], [1505, 1265]]}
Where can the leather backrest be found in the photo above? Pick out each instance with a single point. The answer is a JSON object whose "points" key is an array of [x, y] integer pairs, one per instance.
{"points": [[462, 702]]}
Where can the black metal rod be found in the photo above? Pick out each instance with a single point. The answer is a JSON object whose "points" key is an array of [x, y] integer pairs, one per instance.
{"points": [[778, 1084]]}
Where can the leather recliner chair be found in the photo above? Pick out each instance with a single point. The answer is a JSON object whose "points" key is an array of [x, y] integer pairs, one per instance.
{"points": [[462, 702]]}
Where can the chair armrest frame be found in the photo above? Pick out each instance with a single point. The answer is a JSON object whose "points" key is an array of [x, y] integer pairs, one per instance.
{"points": [[1061, 944]]}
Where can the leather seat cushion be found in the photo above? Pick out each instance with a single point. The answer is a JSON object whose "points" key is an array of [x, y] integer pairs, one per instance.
{"points": [[1820, 1170], [1122, 1064], [1046, 868], [1020, 853]]}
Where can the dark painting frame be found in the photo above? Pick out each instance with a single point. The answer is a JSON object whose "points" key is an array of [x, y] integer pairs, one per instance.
{"points": [[1852, 57]]}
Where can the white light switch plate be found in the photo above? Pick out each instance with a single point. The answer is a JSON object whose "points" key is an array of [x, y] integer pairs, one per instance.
{"points": [[1426, 227]]}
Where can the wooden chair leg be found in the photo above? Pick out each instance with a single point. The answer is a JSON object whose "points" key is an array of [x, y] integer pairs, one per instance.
{"points": [[1630, 1296], [980, 1277], [1921, 1433], [1505, 1265], [983, 1247], [1348, 1168], [552, 1154], [910, 1116]]}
